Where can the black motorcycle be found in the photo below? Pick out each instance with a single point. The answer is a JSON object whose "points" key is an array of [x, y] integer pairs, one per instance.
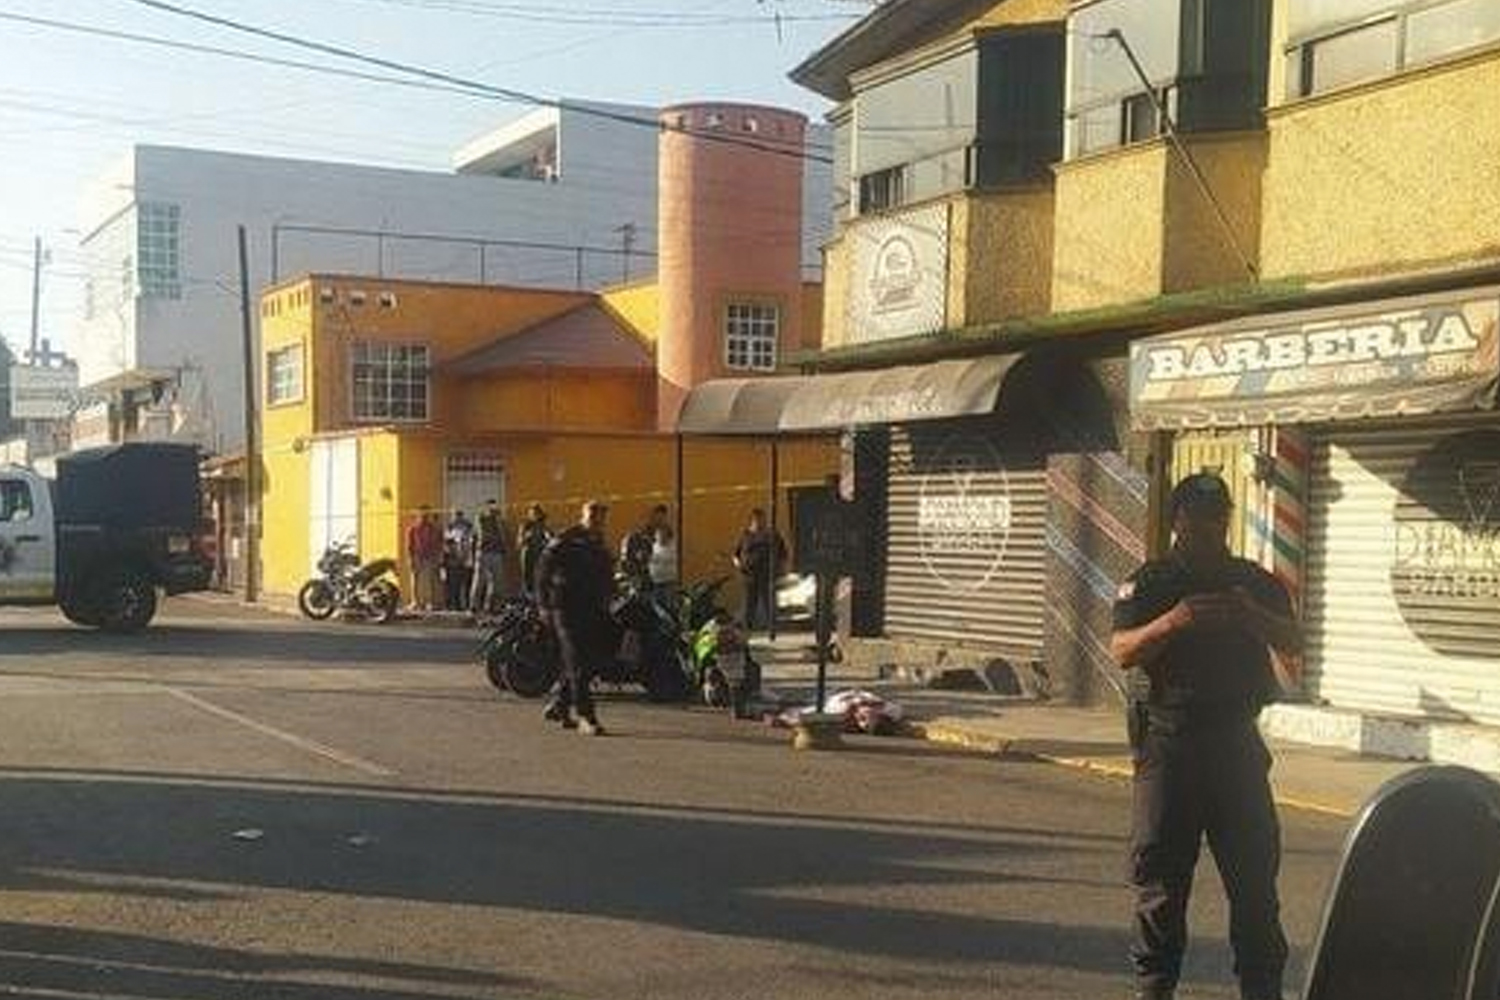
{"points": [[347, 585], [520, 652]]}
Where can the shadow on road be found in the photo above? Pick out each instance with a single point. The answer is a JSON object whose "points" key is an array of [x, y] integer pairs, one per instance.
{"points": [[773, 879], [42, 961], [333, 645]]}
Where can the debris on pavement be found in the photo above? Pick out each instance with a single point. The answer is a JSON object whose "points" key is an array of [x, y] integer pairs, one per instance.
{"points": [[862, 712], [250, 834]]}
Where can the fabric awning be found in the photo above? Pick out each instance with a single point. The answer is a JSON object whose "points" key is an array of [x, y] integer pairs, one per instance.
{"points": [[737, 406], [804, 404], [1403, 357], [935, 391]]}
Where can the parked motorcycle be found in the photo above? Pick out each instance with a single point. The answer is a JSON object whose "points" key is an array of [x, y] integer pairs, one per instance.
{"points": [[520, 652], [349, 586], [725, 673]]}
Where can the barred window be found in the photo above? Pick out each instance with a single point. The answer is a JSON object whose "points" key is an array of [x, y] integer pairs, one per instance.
{"points": [[158, 246], [284, 375], [391, 381], [751, 333]]}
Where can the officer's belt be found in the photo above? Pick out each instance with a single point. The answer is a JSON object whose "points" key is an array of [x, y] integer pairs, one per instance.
{"points": [[1197, 718]]}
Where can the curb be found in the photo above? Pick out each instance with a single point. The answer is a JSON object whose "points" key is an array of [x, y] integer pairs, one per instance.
{"points": [[961, 737]]}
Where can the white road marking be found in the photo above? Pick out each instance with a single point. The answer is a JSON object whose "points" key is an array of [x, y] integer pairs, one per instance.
{"points": [[292, 739]]}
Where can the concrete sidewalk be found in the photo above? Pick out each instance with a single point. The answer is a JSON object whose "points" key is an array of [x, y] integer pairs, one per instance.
{"points": [[1334, 782], [1311, 778]]}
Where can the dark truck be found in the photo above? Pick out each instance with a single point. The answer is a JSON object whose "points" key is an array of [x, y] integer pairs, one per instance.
{"points": [[118, 526]]}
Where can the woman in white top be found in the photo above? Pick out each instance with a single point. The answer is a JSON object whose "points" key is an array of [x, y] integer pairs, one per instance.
{"points": [[664, 558]]}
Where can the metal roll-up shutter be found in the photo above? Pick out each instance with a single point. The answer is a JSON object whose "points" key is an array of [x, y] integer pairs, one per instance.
{"points": [[1403, 582], [967, 550]]}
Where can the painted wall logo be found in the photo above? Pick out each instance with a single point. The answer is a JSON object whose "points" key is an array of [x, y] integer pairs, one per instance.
{"points": [[1445, 570], [964, 516], [897, 279], [897, 275]]}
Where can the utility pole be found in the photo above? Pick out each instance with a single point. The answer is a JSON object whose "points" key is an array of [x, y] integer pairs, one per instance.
{"points": [[36, 301], [252, 447]]}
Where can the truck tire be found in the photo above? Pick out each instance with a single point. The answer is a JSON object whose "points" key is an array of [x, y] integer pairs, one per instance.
{"points": [[127, 603], [81, 611]]}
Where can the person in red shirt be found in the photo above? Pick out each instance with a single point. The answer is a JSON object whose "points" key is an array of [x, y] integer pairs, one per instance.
{"points": [[424, 550]]}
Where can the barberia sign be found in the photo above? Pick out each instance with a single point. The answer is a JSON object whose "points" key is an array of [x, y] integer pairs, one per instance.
{"points": [[1414, 356], [1425, 337]]}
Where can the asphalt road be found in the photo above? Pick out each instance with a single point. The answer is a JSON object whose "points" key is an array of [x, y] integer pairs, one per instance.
{"points": [[240, 805]]}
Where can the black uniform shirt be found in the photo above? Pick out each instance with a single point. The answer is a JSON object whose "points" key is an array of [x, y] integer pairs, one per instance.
{"points": [[1210, 671], [576, 574]]}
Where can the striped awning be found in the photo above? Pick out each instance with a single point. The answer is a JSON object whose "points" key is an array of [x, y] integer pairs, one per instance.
{"points": [[1400, 357]]}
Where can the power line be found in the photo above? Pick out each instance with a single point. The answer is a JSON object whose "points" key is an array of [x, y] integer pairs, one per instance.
{"points": [[508, 94], [238, 54]]}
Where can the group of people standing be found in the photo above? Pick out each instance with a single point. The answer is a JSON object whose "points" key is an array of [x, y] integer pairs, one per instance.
{"points": [[461, 566]]}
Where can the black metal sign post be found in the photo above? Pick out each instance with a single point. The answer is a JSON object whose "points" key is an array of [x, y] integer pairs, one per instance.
{"points": [[831, 536], [823, 626]]}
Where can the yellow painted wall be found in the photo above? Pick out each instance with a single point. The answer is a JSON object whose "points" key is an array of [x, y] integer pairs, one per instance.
{"points": [[1109, 232], [960, 261], [637, 306], [452, 319], [556, 399], [382, 525], [284, 534], [1020, 12], [724, 480], [285, 320], [1007, 272], [1390, 177], [1131, 224], [1198, 252]]}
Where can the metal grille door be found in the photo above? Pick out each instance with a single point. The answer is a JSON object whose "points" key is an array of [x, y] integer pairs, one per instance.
{"points": [[967, 552], [1403, 594]]}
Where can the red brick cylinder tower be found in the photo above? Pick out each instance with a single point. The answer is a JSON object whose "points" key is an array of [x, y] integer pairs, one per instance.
{"points": [[729, 241]]}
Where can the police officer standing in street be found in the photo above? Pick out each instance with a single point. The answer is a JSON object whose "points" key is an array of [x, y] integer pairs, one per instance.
{"points": [[1196, 632], [575, 580]]}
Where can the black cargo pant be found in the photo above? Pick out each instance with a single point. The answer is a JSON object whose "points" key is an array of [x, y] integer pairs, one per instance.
{"points": [[580, 641], [1193, 782]]}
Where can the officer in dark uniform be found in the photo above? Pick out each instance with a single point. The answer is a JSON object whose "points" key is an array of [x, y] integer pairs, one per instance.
{"points": [[1196, 632], [575, 581]]}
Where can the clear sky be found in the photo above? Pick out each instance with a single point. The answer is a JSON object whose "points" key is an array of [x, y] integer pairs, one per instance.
{"points": [[72, 105]]}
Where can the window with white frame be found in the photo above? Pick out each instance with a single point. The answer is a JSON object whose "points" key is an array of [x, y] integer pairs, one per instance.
{"points": [[391, 381], [751, 334], [284, 375], [1336, 43], [158, 250]]}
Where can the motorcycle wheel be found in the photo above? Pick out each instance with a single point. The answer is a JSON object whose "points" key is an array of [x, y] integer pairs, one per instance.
{"points": [[665, 679], [316, 600], [529, 669], [494, 668], [385, 601], [716, 693]]}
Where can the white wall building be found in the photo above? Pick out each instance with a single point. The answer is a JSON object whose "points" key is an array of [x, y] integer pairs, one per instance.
{"points": [[553, 199]]}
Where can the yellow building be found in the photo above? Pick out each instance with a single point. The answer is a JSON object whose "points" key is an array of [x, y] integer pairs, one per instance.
{"points": [[384, 397], [1256, 236]]}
